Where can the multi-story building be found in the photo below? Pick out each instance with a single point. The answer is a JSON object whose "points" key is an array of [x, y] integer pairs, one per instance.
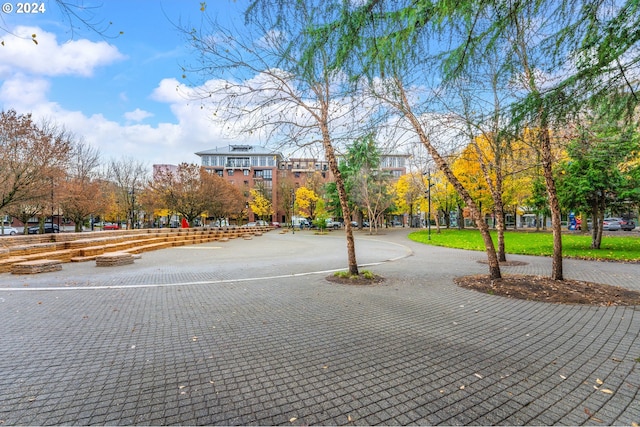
{"points": [[250, 166], [396, 164], [247, 167]]}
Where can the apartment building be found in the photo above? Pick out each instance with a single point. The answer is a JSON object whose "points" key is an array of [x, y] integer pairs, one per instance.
{"points": [[247, 167], [251, 166]]}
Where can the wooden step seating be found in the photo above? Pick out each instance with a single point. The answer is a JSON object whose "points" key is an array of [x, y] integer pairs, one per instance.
{"points": [[36, 266], [113, 259], [87, 246]]}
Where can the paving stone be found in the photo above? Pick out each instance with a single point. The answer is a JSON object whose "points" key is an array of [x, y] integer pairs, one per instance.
{"points": [[117, 346]]}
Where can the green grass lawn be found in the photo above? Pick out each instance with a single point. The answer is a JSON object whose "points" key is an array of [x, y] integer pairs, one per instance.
{"points": [[619, 247]]}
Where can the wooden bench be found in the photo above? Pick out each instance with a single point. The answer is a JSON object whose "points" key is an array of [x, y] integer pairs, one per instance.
{"points": [[36, 266]]}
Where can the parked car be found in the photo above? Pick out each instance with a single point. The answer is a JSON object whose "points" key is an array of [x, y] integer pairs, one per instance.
{"points": [[626, 224], [275, 224], [250, 224], [110, 226], [611, 224], [9, 231], [355, 224], [334, 224], [48, 228]]}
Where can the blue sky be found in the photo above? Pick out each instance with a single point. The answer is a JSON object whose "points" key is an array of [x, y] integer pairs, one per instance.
{"points": [[116, 93]]}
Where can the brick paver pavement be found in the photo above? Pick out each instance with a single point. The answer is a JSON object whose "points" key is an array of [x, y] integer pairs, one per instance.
{"points": [[193, 335]]}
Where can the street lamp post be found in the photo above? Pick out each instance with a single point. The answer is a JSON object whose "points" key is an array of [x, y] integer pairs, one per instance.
{"points": [[429, 204], [293, 202], [133, 206]]}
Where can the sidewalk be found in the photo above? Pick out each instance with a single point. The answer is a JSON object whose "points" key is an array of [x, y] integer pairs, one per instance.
{"points": [[250, 332]]}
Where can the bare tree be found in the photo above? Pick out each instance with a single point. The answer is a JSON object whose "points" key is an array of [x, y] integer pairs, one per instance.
{"points": [[415, 111], [266, 88], [75, 15], [129, 177]]}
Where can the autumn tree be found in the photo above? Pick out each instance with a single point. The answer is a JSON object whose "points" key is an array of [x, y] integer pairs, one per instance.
{"points": [[286, 194], [81, 191], [186, 191], [260, 205], [224, 200], [33, 157], [306, 201]]}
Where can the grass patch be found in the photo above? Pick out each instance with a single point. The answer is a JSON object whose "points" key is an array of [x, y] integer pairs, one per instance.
{"points": [[574, 245], [346, 275]]}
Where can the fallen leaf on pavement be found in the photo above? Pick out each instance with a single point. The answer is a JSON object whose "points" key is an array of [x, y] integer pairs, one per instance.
{"points": [[591, 417]]}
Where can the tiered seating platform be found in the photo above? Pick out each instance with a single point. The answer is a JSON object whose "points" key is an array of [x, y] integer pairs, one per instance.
{"points": [[36, 252]]}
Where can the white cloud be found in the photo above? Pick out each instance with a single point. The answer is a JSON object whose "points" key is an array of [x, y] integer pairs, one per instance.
{"points": [[49, 58], [22, 91], [137, 115]]}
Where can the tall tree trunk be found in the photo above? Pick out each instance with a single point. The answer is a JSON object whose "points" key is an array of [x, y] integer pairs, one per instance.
{"points": [[596, 232], [342, 195], [441, 163], [554, 203]]}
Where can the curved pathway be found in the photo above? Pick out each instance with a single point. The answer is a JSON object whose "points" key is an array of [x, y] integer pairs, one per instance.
{"points": [[250, 332]]}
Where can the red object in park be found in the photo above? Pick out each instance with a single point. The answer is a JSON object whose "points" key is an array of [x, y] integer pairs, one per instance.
{"points": [[184, 224]]}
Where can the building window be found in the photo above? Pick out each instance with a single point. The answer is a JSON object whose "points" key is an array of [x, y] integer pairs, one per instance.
{"points": [[220, 173], [246, 172], [238, 162], [230, 172]]}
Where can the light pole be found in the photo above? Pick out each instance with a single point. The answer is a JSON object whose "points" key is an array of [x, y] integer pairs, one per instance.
{"points": [[133, 206], [293, 202], [429, 204]]}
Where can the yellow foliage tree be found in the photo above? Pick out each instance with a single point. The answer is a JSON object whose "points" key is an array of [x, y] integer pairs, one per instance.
{"points": [[260, 205], [306, 202]]}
